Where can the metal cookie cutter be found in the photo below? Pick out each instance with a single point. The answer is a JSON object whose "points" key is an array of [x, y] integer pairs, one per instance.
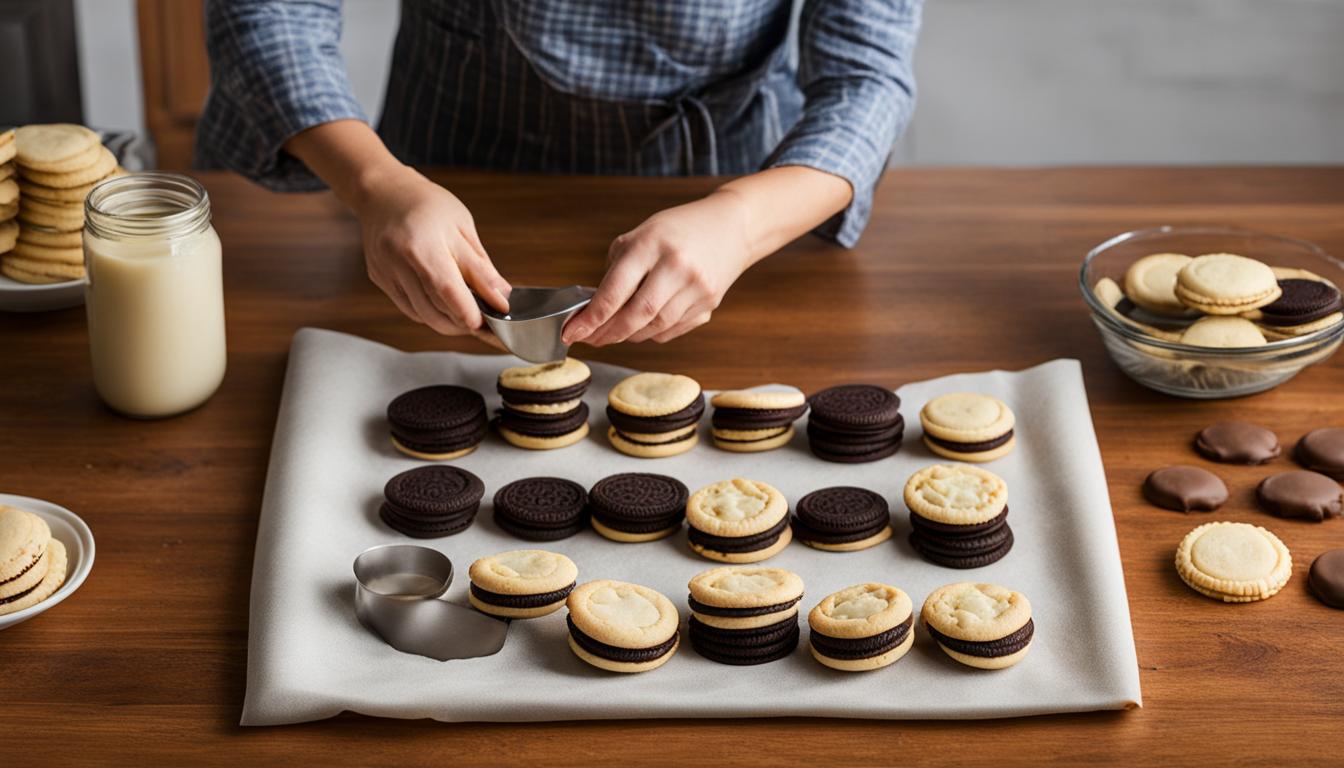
{"points": [[397, 591], [531, 329]]}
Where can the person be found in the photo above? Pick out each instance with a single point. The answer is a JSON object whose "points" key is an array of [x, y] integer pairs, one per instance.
{"points": [[803, 108]]}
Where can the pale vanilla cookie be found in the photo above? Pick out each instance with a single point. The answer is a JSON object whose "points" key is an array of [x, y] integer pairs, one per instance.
{"points": [[1150, 283], [105, 164], [744, 615], [956, 494], [645, 407], [1234, 562], [68, 195], [1226, 284], [621, 627], [18, 586], [1223, 332], [7, 170], [521, 584], [738, 521], [23, 539], [8, 148], [1280, 332], [643, 450], [9, 192], [749, 421], [980, 625], [39, 272], [53, 147], [966, 426], [863, 627], [56, 571], [50, 237], [9, 211], [9, 235], [546, 377], [28, 250], [1280, 273], [61, 217], [751, 441]]}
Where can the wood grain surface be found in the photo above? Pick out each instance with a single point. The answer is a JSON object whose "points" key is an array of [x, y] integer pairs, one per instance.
{"points": [[960, 270]]}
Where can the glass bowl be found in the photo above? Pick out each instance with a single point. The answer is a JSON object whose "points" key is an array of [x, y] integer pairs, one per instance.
{"points": [[1184, 370]]}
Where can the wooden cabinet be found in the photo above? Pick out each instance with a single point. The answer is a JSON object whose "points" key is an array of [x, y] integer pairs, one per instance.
{"points": [[176, 73]]}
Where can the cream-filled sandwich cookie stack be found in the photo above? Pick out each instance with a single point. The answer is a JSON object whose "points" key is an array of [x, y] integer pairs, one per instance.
{"points": [[966, 426], [738, 521], [748, 421], [543, 405], [744, 615], [57, 166], [32, 563], [521, 584], [654, 415], [985, 626], [622, 627], [861, 628]]}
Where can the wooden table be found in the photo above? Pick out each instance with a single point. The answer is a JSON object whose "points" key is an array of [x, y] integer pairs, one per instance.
{"points": [[960, 270]]}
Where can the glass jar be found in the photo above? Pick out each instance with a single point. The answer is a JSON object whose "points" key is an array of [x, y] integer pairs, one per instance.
{"points": [[155, 294]]}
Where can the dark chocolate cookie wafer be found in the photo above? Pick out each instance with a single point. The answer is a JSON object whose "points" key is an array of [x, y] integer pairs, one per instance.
{"points": [[855, 458], [830, 517], [543, 425], [976, 560], [635, 506], [988, 649], [657, 424], [848, 649], [850, 406], [419, 529], [541, 508], [756, 418], [427, 502], [744, 647], [1301, 302], [437, 421], [532, 397]]}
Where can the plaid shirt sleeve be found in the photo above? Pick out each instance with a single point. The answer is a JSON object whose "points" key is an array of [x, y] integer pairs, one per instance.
{"points": [[275, 70], [854, 68]]}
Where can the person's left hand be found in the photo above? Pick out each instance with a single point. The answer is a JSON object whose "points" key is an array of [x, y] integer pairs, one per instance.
{"points": [[668, 274]]}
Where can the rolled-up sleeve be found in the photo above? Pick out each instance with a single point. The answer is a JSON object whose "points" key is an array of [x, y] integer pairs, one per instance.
{"points": [[855, 70], [275, 70]]}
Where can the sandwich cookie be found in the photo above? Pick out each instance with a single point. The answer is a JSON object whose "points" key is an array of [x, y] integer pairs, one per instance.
{"points": [[1326, 578], [842, 519], [654, 415], [428, 502], [1322, 450], [762, 601], [1185, 489], [1234, 562], [863, 627], [1302, 300], [738, 521], [521, 584], [543, 405], [1300, 494], [854, 423], [32, 563], [1237, 442], [541, 508], [438, 422], [959, 515], [621, 627], [637, 506], [1150, 283], [747, 421], [968, 427], [1226, 284], [985, 626]]}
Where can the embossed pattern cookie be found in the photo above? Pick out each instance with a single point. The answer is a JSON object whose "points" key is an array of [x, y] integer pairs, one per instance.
{"points": [[738, 521], [637, 506], [958, 515], [1226, 284], [966, 426], [747, 421], [428, 502], [542, 508], [654, 415], [621, 627], [842, 519], [1234, 562], [862, 628], [744, 615], [854, 423], [543, 405], [521, 584], [32, 563], [437, 423], [985, 626]]}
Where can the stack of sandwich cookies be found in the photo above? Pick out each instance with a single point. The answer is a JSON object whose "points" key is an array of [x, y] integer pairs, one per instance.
{"points": [[434, 501], [437, 423], [985, 626], [1304, 306], [968, 427], [842, 519], [654, 415], [861, 628], [32, 563], [621, 627], [542, 508], [1233, 562], [738, 521], [543, 404], [958, 515], [746, 421], [1226, 284], [637, 506], [743, 615], [521, 584], [855, 423]]}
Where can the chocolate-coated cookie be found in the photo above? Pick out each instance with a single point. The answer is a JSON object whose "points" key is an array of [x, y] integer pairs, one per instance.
{"points": [[1185, 489], [1322, 450], [1237, 442], [1300, 494], [1326, 578]]}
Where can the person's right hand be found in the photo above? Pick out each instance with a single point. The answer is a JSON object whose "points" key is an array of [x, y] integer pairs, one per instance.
{"points": [[422, 250]]}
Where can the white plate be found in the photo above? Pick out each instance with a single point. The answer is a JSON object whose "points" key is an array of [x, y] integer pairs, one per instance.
{"points": [[22, 297], [78, 540]]}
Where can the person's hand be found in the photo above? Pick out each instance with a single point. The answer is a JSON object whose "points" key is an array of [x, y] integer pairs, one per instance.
{"points": [[668, 274], [422, 250]]}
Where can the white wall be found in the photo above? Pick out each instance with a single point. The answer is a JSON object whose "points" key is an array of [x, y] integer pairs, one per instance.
{"points": [[109, 64]]}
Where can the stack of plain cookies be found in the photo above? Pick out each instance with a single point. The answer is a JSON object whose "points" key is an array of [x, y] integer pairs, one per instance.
{"points": [[9, 194], [57, 165]]}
